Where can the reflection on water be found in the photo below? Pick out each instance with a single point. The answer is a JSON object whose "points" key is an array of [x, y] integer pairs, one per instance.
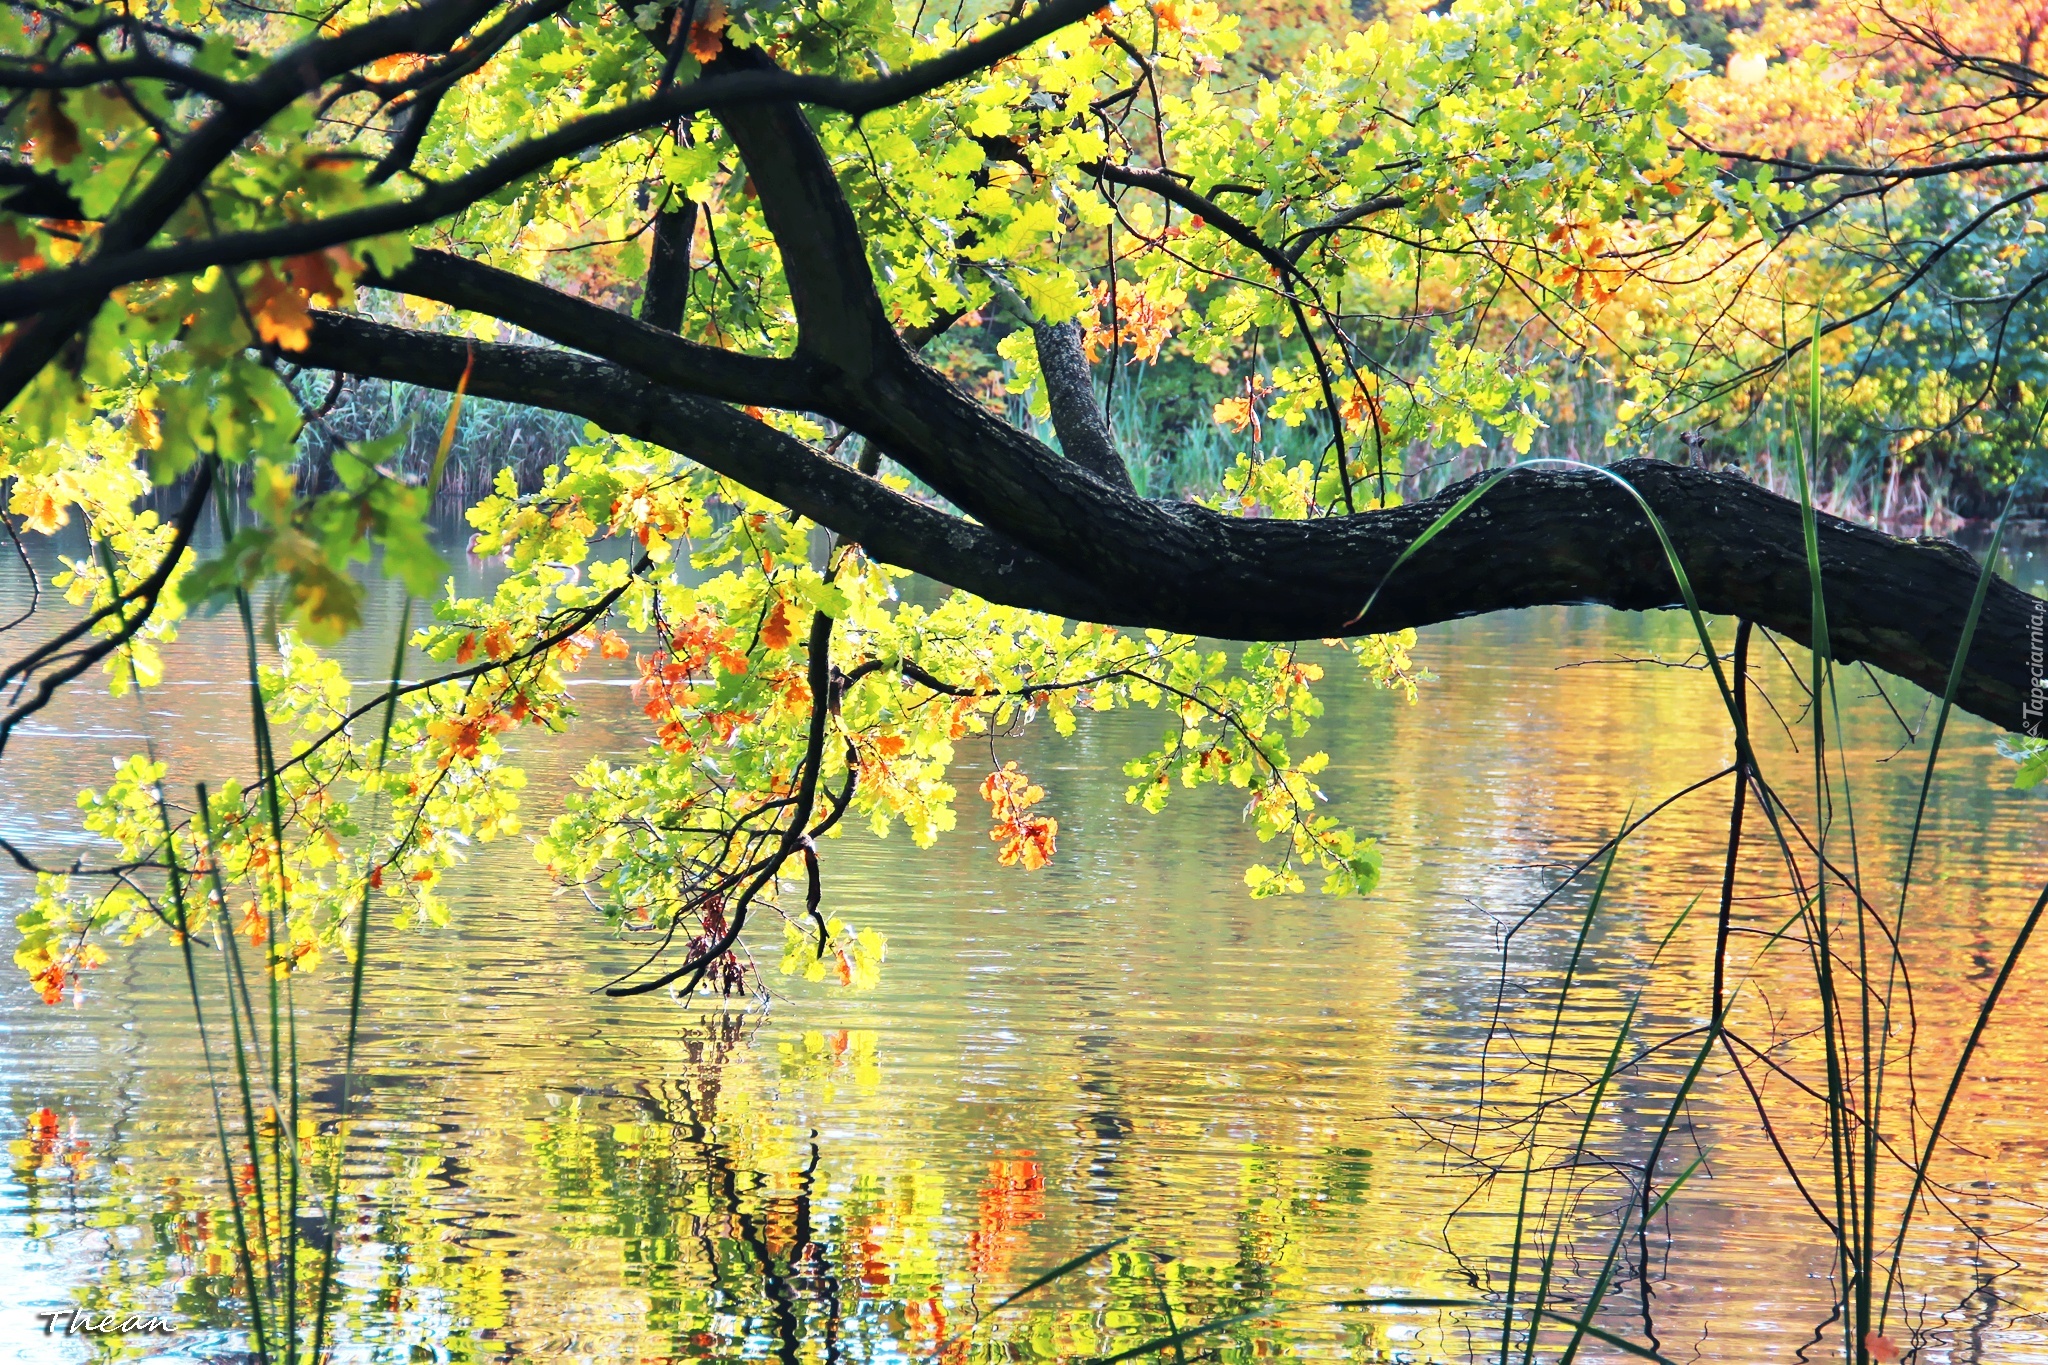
{"points": [[1276, 1103]]}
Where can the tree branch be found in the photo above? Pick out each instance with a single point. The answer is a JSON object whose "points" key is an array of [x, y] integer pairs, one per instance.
{"points": [[73, 301], [668, 268], [889, 526], [1540, 536], [839, 314], [120, 257], [1070, 388], [645, 349]]}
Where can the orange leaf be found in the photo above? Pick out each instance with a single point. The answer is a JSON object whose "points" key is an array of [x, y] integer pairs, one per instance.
{"points": [[45, 513], [280, 312], [313, 275], [18, 249], [1880, 1346], [253, 925], [55, 135], [147, 427], [775, 631], [396, 65], [612, 645], [50, 982], [1235, 413], [705, 40]]}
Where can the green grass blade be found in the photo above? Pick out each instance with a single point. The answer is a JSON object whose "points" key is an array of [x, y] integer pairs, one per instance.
{"points": [[323, 1295], [1955, 1084], [1174, 1340], [1948, 696], [258, 1291], [1564, 990], [1456, 510], [1058, 1272], [1607, 1073]]}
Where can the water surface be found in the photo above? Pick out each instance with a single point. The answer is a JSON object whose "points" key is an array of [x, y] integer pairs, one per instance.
{"points": [[1278, 1103]]}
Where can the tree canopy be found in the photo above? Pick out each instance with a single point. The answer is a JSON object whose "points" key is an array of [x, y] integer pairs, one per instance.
{"points": [[744, 245]]}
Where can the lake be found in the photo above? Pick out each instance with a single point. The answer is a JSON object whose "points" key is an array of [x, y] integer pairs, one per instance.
{"points": [[1277, 1103]]}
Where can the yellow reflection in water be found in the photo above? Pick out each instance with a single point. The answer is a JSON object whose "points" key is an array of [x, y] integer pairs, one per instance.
{"points": [[1276, 1104]]}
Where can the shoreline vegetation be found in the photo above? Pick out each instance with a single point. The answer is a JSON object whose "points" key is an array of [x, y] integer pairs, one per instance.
{"points": [[1175, 449]]}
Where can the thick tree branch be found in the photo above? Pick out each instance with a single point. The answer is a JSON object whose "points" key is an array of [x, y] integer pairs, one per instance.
{"points": [[1541, 536], [37, 194], [120, 258], [1076, 416], [668, 268], [886, 524], [641, 347], [839, 314]]}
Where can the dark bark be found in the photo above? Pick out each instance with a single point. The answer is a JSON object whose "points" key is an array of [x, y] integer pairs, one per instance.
{"points": [[1054, 536], [1541, 536], [645, 349], [889, 525], [1076, 416], [668, 267]]}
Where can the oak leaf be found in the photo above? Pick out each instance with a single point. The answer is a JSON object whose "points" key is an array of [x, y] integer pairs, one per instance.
{"points": [[55, 135], [280, 312], [707, 34], [775, 630]]}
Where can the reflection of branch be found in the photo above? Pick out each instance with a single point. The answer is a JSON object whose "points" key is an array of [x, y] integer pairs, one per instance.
{"points": [[1692, 662]]}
